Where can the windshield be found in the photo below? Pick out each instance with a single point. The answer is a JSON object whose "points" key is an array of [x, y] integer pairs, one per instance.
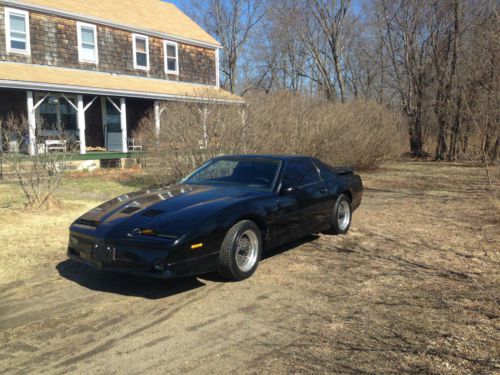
{"points": [[253, 173]]}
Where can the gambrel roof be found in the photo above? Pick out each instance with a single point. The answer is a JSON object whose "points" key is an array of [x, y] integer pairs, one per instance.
{"points": [[154, 17]]}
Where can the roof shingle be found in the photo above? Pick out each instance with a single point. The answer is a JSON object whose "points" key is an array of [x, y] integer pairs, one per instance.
{"points": [[154, 15]]}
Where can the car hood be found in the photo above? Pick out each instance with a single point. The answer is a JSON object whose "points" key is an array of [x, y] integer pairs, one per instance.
{"points": [[171, 210]]}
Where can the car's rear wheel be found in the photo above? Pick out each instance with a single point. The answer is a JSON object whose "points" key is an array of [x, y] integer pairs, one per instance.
{"points": [[241, 250], [342, 215]]}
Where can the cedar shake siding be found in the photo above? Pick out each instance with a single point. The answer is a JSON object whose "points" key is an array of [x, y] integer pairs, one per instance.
{"points": [[54, 43]]}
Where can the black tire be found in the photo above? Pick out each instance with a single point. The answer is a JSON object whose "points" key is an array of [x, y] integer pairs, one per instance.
{"points": [[228, 265], [336, 228]]}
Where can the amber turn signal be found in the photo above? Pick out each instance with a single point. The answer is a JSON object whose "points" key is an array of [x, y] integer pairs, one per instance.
{"points": [[196, 246]]}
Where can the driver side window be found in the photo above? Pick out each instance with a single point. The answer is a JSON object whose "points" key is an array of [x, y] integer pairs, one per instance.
{"points": [[299, 173]]}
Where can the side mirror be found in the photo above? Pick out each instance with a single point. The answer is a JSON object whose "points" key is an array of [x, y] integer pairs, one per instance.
{"points": [[286, 190]]}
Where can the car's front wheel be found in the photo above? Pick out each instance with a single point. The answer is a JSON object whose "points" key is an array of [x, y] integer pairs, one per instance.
{"points": [[241, 251]]}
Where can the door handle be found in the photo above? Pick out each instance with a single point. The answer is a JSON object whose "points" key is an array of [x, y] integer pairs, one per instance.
{"points": [[323, 190]]}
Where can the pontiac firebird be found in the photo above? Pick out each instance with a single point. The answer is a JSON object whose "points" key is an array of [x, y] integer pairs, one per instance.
{"points": [[219, 218]]}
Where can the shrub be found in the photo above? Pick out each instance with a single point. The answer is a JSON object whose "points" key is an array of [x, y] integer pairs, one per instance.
{"points": [[190, 134], [38, 176], [359, 134]]}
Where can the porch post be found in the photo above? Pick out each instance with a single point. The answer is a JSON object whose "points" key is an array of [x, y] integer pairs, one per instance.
{"points": [[157, 117], [217, 67], [205, 130], [243, 115], [123, 120], [81, 124], [31, 123]]}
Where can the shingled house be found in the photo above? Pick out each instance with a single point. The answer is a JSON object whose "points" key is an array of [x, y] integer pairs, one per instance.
{"points": [[91, 69]]}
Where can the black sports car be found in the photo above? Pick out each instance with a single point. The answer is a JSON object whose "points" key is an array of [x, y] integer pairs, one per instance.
{"points": [[218, 218]]}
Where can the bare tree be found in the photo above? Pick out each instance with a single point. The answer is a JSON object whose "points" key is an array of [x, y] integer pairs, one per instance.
{"points": [[444, 26], [232, 23], [282, 63], [435, 61], [307, 45], [406, 37], [329, 16]]}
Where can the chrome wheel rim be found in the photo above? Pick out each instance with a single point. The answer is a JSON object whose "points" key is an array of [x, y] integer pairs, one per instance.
{"points": [[247, 249], [343, 215]]}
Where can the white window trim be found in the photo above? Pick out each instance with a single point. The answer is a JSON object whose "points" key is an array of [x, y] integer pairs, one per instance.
{"points": [[169, 43], [53, 132], [25, 14], [134, 49], [79, 26]]}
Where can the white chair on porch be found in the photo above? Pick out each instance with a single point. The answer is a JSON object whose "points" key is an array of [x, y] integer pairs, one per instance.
{"points": [[56, 145], [134, 144]]}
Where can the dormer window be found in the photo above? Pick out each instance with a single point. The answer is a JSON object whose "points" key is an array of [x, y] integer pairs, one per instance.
{"points": [[17, 31], [87, 43], [171, 58], [141, 51]]}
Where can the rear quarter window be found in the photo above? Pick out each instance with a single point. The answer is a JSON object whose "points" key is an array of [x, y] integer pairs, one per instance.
{"points": [[299, 173], [325, 170]]}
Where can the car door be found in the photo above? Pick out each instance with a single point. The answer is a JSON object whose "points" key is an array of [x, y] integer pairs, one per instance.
{"points": [[301, 200]]}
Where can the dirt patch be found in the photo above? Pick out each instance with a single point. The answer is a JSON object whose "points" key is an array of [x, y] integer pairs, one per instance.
{"points": [[412, 289]]}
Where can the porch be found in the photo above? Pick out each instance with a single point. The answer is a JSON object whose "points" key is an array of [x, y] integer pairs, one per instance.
{"points": [[73, 110], [101, 127]]}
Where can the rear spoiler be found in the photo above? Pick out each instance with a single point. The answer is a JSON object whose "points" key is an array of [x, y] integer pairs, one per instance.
{"points": [[342, 170]]}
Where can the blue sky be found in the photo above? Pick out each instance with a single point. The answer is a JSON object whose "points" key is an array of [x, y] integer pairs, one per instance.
{"points": [[180, 3]]}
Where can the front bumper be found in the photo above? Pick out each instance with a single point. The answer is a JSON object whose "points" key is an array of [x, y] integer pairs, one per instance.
{"points": [[139, 259], [171, 271]]}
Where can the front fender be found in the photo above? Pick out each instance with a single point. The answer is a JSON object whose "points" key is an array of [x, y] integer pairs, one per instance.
{"points": [[211, 229], [248, 212]]}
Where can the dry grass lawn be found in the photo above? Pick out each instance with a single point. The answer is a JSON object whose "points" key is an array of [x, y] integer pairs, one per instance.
{"points": [[414, 288], [34, 238]]}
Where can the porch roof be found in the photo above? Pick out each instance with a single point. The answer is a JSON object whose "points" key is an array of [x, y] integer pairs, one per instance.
{"points": [[45, 78]]}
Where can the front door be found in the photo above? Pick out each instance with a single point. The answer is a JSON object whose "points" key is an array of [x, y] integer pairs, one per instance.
{"points": [[112, 126]]}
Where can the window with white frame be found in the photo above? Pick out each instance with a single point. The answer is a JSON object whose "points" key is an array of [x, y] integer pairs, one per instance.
{"points": [[141, 51], [17, 31], [87, 43], [55, 115], [171, 58]]}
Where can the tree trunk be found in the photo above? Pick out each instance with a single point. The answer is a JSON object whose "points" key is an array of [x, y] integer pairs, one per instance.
{"points": [[416, 145], [416, 138], [442, 146], [494, 151], [455, 131], [340, 77]]}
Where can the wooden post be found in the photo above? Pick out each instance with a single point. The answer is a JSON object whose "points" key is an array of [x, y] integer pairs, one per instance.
{"points": [[243, 115], [81, 124], [205, 129], [157, 117], [1, 147], [32, 148], [217, 67], [123, 120]]}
